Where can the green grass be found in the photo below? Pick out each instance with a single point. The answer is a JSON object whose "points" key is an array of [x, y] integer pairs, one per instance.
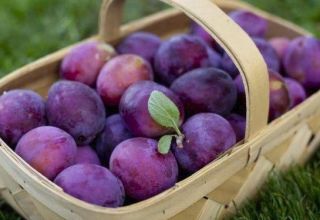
{"points": [[30, 29]]}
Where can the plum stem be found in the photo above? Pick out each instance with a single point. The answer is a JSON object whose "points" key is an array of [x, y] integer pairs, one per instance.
{"points": [[180, 137]]}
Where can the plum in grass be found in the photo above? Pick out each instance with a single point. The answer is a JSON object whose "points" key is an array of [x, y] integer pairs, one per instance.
{"points": [[20, 111], [206, 90], [85, 61], [253, 24], [267, 51], [143, 44], [238, 123], [207, 135], [296, 91], [47, 149], [85, 154], [93, 184], [118, 74], [179, 55], [77, 109], [113, 134], [143, 171], [134, 109], [302, 62]]}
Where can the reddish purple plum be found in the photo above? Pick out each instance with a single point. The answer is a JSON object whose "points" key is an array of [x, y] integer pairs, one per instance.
{"points": [[134, 109], [85, 61], [207, 135], [47, 149], [238, 124], [113, 134], [143, 171], [77, 109], [20, 111], [268, 53], [302, 62], [253, 24], [296, 91], [93, 184], [140, 43], [118, 74], [206, 90], [85, 154], [179, 55]]}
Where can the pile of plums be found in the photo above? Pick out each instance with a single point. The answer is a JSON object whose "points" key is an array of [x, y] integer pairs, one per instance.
{"points": [[94, 135]]}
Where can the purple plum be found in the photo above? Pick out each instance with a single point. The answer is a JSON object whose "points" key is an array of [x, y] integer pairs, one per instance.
{"points": [[280, 44], [93, 184], [238, 124], [206, 90], [302, 62], [20, 111], [296, 91], [179, 55], [207, 135], [113, 134], [77, 109], [253, 24], [134, 109], [85, 154], [118, 74], [198, 31], [85, 61], [140, 43], [143, 171], [47, 149]]}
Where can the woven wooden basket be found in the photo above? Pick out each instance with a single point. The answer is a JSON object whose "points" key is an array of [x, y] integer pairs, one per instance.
{"points": [[220, 187]]}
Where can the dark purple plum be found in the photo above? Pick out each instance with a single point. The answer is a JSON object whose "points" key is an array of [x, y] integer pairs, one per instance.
{"points": [[302, 62], [20, 111], [118, 74], [214, 58], [47, 149], [143, 171], [206, 90], [85, 61], [179, 55], [113, 134], [207, 135], [134, 109], [77, 109], [279, 96], [198, 31], [253, 24], [140, 43], [269, 54], [296, 91], [240, 107], [93, 184], [238, 124], [85, 154]]}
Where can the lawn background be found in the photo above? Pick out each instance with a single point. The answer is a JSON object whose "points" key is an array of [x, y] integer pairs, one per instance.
{"points": [[30, 29]]}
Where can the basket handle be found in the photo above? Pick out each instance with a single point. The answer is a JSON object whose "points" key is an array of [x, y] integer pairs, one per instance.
{"points": [[229, 35]]}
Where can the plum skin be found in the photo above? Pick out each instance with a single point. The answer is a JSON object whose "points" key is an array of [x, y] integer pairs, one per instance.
{"points": [[207, 135], [118, 74], [114, 133], [206, 90], [47, 149], [85, 154], [238, 123], [302, 62], [179, 55], [143, 44], [134, 109], [20, 111], [85, 61], [77, 109], [296, 91], [143, 171], [93, 184]]}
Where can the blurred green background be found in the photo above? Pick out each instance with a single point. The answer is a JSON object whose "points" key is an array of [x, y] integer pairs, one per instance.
{"points": [[30, 29]]}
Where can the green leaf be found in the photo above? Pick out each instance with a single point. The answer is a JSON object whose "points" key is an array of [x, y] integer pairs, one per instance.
{"points": [[164, 144], [163, 110]]}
